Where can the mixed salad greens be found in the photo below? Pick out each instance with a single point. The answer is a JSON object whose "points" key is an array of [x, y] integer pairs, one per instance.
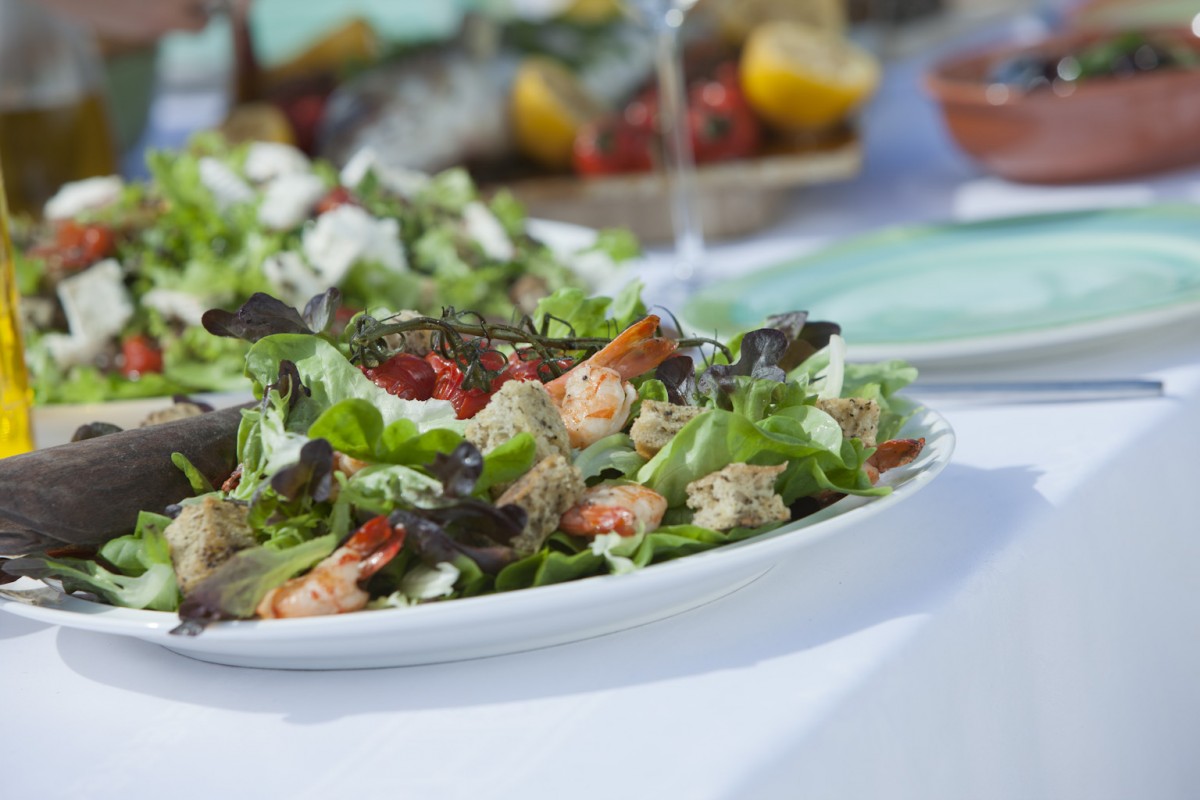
{"points": [[116, 277], [372, 472]]}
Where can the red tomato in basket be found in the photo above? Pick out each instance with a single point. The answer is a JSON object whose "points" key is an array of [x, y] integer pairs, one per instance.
{"points": [[641, 113], [404, 375], [140, 355], [609, 146], [721, 123]]}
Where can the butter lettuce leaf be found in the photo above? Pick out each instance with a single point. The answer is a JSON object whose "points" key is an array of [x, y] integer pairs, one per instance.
{"points": [[808, 439]]}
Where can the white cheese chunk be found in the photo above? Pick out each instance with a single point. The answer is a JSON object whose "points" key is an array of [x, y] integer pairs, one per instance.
{"points": [[97, 307], [401, 180], [294, 281], [605, 544], [74, 198], [227, 188], [428, 583], [70, 351], [289, 200], [175, 305], [342, 237], [483, 226], [266, 161]]}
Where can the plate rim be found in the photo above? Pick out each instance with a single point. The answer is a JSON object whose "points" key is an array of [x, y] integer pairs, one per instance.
{"points": [[698, 311]]}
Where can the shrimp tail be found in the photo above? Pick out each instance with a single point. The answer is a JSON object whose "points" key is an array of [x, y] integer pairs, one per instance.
{"points": [[635, 351], [376, 543]]}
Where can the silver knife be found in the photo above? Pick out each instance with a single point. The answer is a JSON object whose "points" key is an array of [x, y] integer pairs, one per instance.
{"points": [[1073, 391]]}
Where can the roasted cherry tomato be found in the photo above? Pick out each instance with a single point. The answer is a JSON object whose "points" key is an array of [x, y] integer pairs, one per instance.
{"points": [[525, 365], [467, 402], [339, 196], [609, 146], [79, 246], [406, 376], [341, 318], [140, 355]]}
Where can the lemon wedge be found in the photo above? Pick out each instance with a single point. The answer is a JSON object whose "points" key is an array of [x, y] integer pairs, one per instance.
{"points": [[352, 42], [801, 78], [549, 105]]}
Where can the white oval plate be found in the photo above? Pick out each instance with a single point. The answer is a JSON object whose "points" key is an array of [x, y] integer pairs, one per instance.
{"points": [[499, 623]]}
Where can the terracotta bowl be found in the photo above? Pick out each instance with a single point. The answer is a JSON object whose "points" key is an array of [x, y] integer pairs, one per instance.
{"points": [[1096, 129]]}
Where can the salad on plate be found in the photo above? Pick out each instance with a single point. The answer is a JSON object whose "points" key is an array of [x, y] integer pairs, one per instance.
{"points": [[413, 459], [116, 276]]}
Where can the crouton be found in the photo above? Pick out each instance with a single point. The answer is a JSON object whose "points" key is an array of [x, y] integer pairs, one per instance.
{"points": [[658, 423], [858, 418], [545, 492], [204, 536], [737, 496], [171, 413], [520, 407]]}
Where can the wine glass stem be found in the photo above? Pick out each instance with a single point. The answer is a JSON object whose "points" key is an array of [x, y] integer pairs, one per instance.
{"points": [[680, 160]]}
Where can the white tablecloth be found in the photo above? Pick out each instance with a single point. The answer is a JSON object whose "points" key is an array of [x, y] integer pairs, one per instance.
{"points": [[1023, 628]]}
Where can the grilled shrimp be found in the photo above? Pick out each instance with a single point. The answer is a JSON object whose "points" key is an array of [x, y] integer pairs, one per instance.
{"points": [[891, 454], [623, 508], [332, 586], [597, 404], [595, 398]]}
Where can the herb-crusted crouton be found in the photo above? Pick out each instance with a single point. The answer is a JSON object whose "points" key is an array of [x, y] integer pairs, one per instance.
{"points": [[171, 413], [520, 407], [658, 423], [737, 496], [858, 417], [204, 536], [545, 492]]}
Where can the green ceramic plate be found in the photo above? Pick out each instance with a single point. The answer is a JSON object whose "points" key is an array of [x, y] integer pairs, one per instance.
{"points": [[982, 290]]}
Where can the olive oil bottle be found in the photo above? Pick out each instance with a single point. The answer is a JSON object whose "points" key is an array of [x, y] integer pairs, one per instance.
{"points": [[54, 125], [16, 427]]}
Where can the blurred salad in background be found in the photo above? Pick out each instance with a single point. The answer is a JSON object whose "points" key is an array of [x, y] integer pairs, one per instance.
{"points": [[115, 278]]}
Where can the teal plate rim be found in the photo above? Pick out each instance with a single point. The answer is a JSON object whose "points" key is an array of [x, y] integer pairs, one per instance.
{"points": [[712, 309]]}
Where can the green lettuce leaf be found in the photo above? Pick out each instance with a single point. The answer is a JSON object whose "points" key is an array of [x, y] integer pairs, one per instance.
{"points": [[809, 439], [145, 576], [612, 454], [573, 310]]}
